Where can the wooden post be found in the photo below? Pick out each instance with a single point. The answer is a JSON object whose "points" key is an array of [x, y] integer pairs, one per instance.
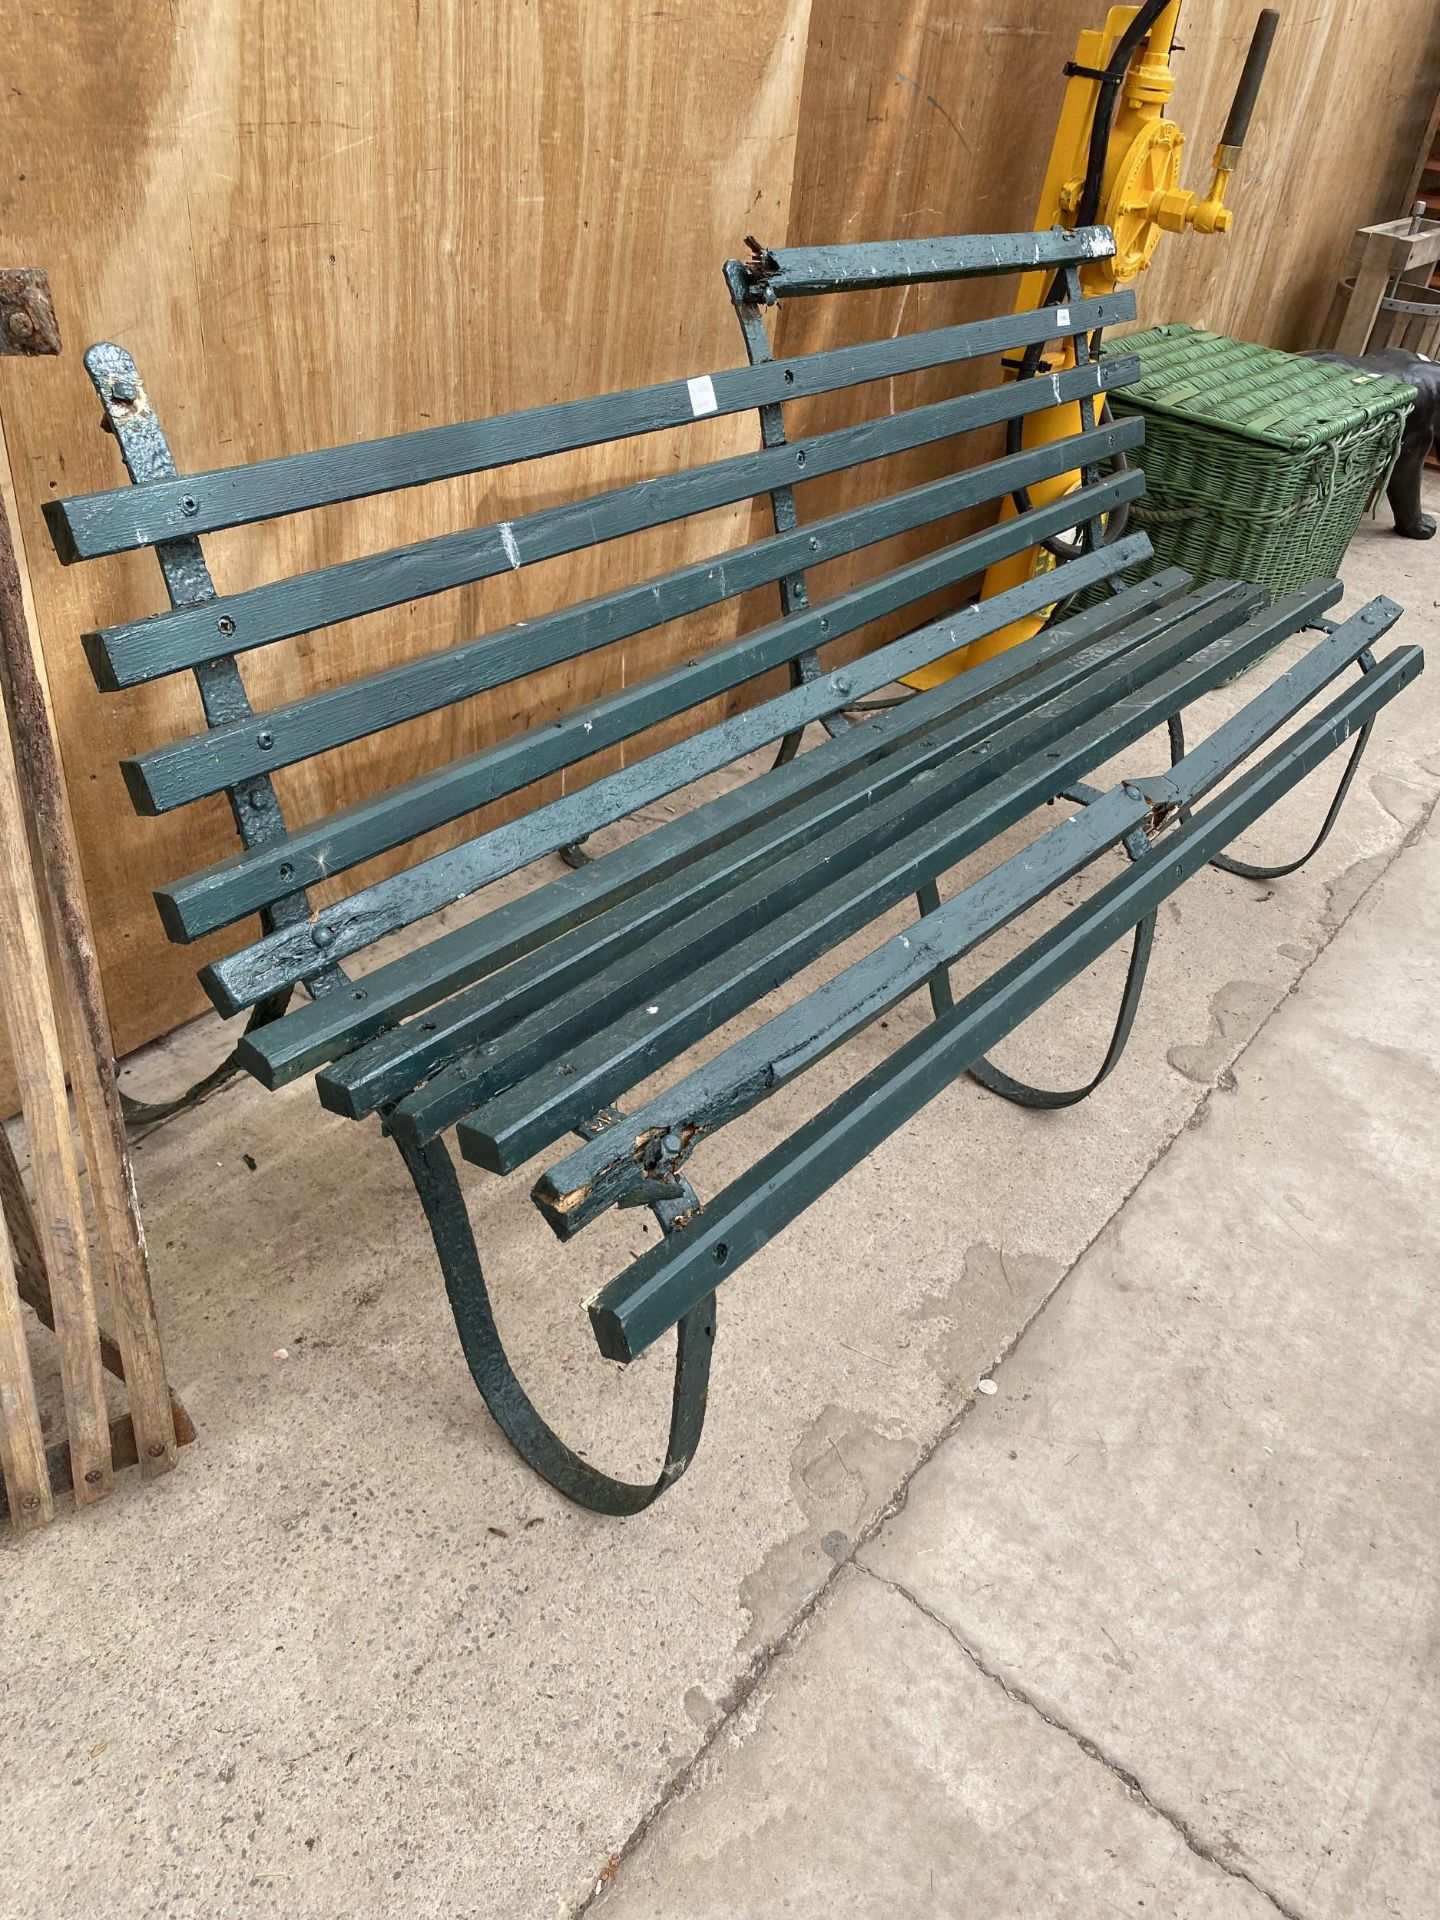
{"points": [[48, 951], [1386, 254], [90, 1052], [40, 1069], [22, 1447]]}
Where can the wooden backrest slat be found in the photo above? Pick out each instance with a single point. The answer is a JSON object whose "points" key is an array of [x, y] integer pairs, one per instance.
{"points": [[396, 815], [206, 763], [143, 650], [89, 526]]}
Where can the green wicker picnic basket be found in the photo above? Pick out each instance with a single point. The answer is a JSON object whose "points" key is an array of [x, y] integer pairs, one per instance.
{"points": [[1258, 464]]}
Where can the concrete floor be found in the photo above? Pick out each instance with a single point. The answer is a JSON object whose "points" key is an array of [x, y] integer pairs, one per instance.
{"points": [[1155, 1628], [353, 1659]]}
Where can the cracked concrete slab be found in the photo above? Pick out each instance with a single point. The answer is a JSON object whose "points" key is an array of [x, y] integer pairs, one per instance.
{"points": [[1197, 1521], [879, 1772], [352, 1656]]}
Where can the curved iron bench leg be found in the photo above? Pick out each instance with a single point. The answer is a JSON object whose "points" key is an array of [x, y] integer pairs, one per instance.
{"points": [[1247, 870], [537, 1443], [995, 1080]]}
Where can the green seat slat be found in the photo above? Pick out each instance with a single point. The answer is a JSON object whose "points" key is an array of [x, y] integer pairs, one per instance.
{"points": [[979, 796], [394, 1065], [279, 959], [206, 763], [649, 1297], [320, 1030], [599, 1174], [137, 651], [88, 526]]}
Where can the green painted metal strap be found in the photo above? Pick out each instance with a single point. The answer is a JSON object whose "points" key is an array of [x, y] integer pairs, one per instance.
{"points": [[658, 1138], [312, 1034], [511, 1407], [783, 273], [91, 525], [650, 1296], [394, 1064], [365, 917], [206, 763], [982, 794]]}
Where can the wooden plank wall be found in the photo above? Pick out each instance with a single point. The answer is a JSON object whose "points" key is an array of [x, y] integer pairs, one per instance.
{"points": [[315, 221]]}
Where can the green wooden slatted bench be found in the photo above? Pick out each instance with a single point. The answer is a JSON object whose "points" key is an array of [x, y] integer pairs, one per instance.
{"points": [[534, 1020]]}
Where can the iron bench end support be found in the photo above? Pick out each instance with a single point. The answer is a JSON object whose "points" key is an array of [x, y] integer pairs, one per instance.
{"points": [[437, 1184]]}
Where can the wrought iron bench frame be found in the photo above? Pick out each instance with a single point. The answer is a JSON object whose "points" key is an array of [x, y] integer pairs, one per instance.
{"points": [[492, 1027]]}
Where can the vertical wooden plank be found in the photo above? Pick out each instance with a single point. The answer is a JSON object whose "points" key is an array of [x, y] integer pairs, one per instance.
{"points": [[22, 1447], [64, 1235], [89, 1048], [1363, 308]]}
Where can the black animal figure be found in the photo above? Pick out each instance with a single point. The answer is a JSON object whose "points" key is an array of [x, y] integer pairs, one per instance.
{"points": [[1420, 429]]}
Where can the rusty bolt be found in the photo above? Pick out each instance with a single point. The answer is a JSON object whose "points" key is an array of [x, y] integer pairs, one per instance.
{"points": [[20, 327], [94, 1477], [156, 1449]]}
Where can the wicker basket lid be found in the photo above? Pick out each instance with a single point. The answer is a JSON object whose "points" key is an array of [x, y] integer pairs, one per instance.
{"points": [[1276, 399]]}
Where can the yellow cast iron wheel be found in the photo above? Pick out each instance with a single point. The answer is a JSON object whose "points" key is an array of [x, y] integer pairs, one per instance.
{"points": [[1149, 170]]}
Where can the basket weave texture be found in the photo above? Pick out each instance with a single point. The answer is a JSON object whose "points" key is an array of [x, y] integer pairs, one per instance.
{"points": [[1258, 464]]}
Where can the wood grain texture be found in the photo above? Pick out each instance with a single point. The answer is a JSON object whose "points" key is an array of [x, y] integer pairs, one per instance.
{"points": [[81, 1018], [1347, 97], [22, 1445], [314, 224], [916, 120], [30, 1021]]}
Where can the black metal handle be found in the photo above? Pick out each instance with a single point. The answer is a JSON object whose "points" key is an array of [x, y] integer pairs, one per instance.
{"points": [[1253, 72]]}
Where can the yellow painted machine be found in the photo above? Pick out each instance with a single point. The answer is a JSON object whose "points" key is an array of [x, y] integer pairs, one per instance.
{"points": [[1115, 162]]}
